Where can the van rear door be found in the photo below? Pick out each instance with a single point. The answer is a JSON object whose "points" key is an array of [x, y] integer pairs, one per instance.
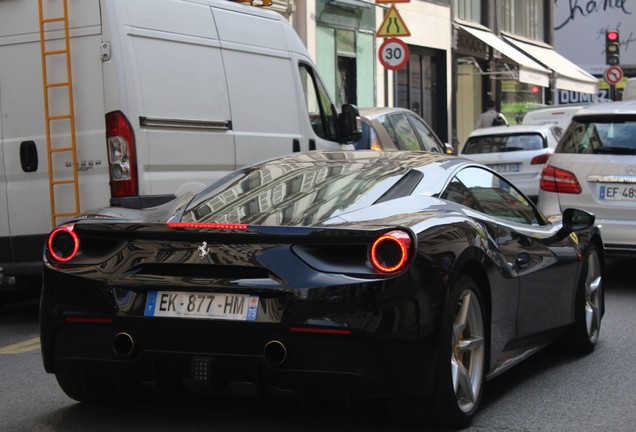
{"points": [[261, 83], [176, 99]]}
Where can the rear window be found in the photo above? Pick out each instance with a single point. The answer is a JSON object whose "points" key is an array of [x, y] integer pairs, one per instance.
{"points": [[600, 135], [296, 193], [504, 143]]}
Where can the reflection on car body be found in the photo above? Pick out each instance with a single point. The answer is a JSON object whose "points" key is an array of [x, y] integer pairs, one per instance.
{"points": [[410, 276]]}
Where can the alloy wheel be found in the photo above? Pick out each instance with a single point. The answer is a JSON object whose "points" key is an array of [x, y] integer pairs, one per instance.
{"points": [[468, 353], [593, 296]]}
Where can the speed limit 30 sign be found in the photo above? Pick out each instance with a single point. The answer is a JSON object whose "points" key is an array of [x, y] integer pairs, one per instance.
{"points": [[393, 54]]}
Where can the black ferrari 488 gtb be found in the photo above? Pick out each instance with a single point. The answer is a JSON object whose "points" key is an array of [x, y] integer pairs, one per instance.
{"points": [[410, 276]]}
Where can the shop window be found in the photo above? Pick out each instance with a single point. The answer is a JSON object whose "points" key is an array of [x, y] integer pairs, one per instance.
{"points": [[469, 10]]}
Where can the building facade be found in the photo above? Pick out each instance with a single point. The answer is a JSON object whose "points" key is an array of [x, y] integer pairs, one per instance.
{"points": [[341, 36], [504, 51], [462, 53]]}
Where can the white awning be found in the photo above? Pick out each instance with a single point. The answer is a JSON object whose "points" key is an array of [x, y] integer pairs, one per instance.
{"points": [[530, 72], [568, 75]]}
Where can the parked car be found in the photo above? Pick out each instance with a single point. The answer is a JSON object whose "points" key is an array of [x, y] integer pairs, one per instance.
{"points": [[594, 168], [410, 276], [518, 152], [397, 129]]}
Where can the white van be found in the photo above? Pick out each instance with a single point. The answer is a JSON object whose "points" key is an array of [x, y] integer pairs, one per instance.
{"points": [[559, 115], [168, 96], [630, 89]]}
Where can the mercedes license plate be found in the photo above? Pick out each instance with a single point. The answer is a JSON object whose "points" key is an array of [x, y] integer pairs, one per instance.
{"points": [[238, 307], [618, 193], [505, 168]]}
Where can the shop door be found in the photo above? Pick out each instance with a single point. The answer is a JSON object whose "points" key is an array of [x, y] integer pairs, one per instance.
{"points": [[421, 87]]}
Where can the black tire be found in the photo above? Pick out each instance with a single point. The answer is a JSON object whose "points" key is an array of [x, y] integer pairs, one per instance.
{"points": [[461, 364], [589, 304]]}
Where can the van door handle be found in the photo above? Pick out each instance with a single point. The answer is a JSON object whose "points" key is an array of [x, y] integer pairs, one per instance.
{"points": [[28, 156], [296, 145], [312, 144]]}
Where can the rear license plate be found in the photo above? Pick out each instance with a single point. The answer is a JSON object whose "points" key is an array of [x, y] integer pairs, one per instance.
{"points": [[618, 193], [237, 307], [505, 168]]}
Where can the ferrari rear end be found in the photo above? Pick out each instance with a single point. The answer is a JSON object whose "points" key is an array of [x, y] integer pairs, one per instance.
{"points": [[239, 309]]}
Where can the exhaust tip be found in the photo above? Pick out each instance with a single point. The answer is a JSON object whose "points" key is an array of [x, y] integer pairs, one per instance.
{"points": [[275, 352], [123, 344]]}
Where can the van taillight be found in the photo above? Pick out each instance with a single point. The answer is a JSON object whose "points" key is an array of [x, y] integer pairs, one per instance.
{"points": [[122, 161], [558, 180]]}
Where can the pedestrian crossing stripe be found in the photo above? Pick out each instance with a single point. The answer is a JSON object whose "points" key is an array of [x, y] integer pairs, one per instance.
{"points": [[21, 347]]}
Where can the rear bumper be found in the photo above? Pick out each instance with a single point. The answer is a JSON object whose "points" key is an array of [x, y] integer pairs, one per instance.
{"points": [[375, 350], [224, 359]]}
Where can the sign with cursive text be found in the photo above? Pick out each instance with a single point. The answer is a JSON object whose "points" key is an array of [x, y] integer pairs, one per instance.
{"points": [[579, 31]]}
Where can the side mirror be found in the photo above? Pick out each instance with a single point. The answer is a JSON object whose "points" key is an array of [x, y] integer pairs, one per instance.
{"points": [[349, 124], [577, 220], [572, 220]]}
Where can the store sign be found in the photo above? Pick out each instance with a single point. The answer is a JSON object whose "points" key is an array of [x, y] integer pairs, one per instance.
{"points": [[565, 97]]}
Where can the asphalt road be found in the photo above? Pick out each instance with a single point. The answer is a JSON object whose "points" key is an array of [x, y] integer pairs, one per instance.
{"points": [[552, 391]]}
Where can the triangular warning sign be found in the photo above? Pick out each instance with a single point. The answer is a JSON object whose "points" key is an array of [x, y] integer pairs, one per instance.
{"points": [[393, 25]]}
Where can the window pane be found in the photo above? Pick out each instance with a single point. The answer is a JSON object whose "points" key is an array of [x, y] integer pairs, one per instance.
{"points": [[504, 143], [426, 136], [346, 42], [406, 139], [319, 109], [496, 197], [523, 17]]}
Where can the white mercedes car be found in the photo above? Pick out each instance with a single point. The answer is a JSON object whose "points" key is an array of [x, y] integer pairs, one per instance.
{"points": [[594, 168], [517, 152]]}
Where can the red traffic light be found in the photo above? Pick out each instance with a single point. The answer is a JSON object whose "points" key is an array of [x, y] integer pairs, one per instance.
{"points": [[612, 47]]}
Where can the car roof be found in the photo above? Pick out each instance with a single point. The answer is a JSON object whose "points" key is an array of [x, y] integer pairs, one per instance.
{"points": [[609, 108], [513, 129], [373, 113]]}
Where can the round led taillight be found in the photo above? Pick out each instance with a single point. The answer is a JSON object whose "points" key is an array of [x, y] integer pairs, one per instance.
{"points": [[63, 243], [390, 252]]}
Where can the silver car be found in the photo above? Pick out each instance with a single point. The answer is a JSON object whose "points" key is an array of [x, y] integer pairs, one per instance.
{"points": [[594, 168], [517, 152], [396, 128]]}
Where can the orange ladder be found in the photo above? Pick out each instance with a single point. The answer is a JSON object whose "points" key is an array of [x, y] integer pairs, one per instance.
{"points": [[62, 120]]}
